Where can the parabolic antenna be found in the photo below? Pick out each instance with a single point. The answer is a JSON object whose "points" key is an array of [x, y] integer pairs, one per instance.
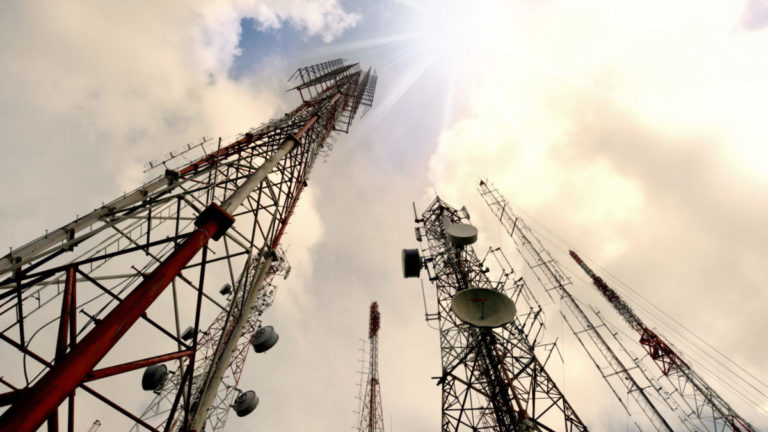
{"points": [[264, 339], [461, 234], [482, 307], [246, 403], [411, 263]]}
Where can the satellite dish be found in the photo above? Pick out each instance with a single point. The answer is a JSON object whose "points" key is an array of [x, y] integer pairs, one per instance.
{"points": [[154, 377], [246, 403], [411, 263], [264, 339], [461, 234], [188, 334], [482, 307]]}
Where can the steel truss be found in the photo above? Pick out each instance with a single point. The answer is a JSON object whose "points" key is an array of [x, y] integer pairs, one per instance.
{"points": [[111, 268], [547, 270], [371, 414], [703, 402], [492, 380], [219, 329]]}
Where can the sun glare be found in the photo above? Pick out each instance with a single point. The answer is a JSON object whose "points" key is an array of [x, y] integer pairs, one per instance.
{"points": [[468, 42], [466, 31]]}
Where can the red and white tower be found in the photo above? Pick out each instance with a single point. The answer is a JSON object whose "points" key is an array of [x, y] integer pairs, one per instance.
{"points": [[702, 401], [675, 388], [136, 284], [371, 416]]}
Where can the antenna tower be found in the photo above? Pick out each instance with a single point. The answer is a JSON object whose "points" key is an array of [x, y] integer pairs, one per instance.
{"points": [[547, 270], [89, 301], [713, 411], [371, 415], [491, 378], [697, 406]]}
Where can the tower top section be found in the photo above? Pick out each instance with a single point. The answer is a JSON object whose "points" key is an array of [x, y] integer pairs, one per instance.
{"points": [[317, 81], [374, 321]]}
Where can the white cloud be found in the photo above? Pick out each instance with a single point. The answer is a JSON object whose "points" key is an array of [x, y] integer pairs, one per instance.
{"points": [[209, 30], [634, 131], [219, 23], [107, 87], [591, 120], [90, 91], [687, 75]]}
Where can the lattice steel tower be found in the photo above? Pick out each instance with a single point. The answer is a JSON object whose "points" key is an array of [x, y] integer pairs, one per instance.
{"points": [[371, 415], [492, 380], [552, 278], [683, 392], [706, 404], [88, 301]]}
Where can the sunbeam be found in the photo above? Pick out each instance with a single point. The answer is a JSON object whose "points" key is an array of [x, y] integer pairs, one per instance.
{"points": [[399, 88], [366, 44]]}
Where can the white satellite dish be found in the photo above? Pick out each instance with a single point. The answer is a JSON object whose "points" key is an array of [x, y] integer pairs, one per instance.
{"points": [[482, 307], [461, 234]]}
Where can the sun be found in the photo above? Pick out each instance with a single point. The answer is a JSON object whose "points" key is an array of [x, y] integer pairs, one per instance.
{"points": [[466, 42], [473, 33]]}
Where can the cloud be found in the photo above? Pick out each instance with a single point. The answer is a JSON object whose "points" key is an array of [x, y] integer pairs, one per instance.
{"points": [[118, 85], [218, 23], [633, 132], [755, 14], [90, 91]]}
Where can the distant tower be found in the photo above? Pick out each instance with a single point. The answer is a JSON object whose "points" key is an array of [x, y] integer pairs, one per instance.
{"points": [[371, 416], [708, 406], [136, 284], [491, 378], [552, 278]]}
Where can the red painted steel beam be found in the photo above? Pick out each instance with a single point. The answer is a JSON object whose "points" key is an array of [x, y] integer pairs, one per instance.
{"points": [[284, 225], [72, 341], [45, 396], [61, 342], [211, 157], [298, 135], [138, 364], [234, 148], [83, 386], [662, 354]]}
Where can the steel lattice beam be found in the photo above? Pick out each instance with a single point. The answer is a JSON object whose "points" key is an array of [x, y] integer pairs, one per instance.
{"points": [[491, 380], [123, 255], [551, 276], [710, 408]]}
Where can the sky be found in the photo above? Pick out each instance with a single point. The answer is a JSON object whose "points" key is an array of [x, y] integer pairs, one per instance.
{"points": [[631, 132]]}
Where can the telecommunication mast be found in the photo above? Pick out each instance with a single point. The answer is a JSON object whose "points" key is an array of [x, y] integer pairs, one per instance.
{"points": [[491, 378], [547, 270], [697, 406], [714, 412], [371, 415], [95, 290]]}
